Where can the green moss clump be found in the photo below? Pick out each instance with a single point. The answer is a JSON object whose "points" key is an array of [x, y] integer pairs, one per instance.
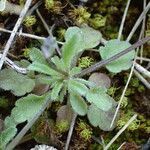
{"points": [[79, 15], [84, 131], [97, 21], [62, 126], [53, 6], [125, 118], [85, 62], [29, 21]]}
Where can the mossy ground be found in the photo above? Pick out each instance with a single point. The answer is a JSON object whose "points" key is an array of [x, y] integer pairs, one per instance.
{"points": [[105, 16]]}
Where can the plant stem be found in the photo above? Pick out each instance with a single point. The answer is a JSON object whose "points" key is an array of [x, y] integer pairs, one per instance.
{"points": [[107, 61]]}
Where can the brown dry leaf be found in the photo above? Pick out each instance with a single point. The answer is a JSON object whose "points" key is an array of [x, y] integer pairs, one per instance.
{"points": [[100, 79], [64, 113]]}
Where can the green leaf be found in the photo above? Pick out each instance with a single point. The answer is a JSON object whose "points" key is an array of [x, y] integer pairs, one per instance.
{"points": [[56, 89], [77, 40], [42, 68], [77, 87], [100, 118], [27, 107], [18, 84], [78, 104], [91, 37], [58, 62], [74, 70], [63, 92], [71, 31], [113, 47], [94, 115], [70, 49], [43, 79], [98, 97], [6, 136], [36, 55]]}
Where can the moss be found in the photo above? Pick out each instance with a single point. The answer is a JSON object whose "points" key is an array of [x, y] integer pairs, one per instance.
{"points": [[29, 21], [125, 118], [97, 21], [53, 6], [85, 62], [62, 126], [79, 15], [61, 33], [84, 131]]}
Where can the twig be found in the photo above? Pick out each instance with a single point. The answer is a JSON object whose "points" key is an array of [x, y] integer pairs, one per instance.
{"points": [[123, 93], [49, 32], [12, 36], [14, 66], [28, 35], [20, 135], [142, 70], [107, 61], [142, 31], [32, 9], [120, 132], [123, 20], [142, 79], [44, 23], [142, 58], [138, 22], [121, 145], [70, 131]]}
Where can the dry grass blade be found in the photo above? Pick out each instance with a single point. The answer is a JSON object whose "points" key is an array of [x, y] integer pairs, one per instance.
{"points": [[120, 132], [142, 70], [12, 36], [123, 20], [142, 79], [138, 22]]}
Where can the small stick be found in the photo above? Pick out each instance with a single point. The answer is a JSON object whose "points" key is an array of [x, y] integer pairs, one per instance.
{"points": [[142, 79], [14, 66], [43, 21], [142, 70], [107, 61], [121, 145], [70, 131], [12, 36], [142, 31], [28, 35], [123, 93], [20, 135], [138, 21], [123, 20], [142, 58], [120, 132]]}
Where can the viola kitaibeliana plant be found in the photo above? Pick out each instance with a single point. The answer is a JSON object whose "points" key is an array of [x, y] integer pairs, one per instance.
{"points": [[60, 74]]}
